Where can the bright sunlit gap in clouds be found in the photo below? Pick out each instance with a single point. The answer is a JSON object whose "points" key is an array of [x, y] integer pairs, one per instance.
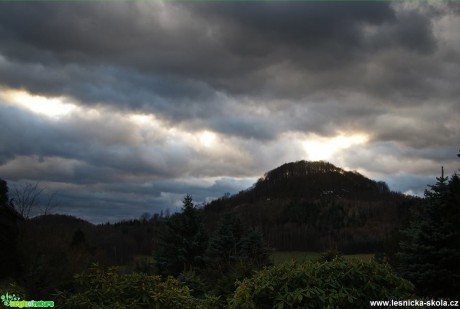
{"points": [[322, 148], [207, 139], [55, 107]]}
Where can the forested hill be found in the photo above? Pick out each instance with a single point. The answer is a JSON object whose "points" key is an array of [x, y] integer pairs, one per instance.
{"points": [[304, 180], [313, 180], [313, 205]]}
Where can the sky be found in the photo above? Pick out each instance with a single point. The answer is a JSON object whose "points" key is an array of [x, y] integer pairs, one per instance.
{"points": [[122, 108]]}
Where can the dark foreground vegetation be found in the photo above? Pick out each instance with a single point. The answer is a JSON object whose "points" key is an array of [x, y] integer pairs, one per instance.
{"points": [[221, 255]]}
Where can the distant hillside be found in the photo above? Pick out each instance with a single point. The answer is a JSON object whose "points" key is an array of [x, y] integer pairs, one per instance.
{"points": [[315, 206], [57, 219]]}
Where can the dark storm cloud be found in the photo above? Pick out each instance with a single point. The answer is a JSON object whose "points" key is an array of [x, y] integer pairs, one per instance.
{"points": [[105, 54], [182, 61], [413, 31], [319, 44], [123, 88], [194, 49], [246, 127], [305, 24]]}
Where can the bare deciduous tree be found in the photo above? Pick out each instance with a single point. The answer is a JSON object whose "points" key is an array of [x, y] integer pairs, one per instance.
{"points": [[29, 198], [49, 205]]}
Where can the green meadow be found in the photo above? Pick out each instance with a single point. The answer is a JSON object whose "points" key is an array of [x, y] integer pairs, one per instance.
{"points": [[279, 257]]}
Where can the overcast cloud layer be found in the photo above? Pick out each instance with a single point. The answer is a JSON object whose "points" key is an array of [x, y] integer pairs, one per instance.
{"points": [[122, 108]]}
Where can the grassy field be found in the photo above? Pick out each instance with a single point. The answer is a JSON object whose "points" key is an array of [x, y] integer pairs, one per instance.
{"points": [[277, 257], [300, 256]]}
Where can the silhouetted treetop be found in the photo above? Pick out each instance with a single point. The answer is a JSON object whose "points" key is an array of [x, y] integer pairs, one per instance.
{"points": [[3, 192]]}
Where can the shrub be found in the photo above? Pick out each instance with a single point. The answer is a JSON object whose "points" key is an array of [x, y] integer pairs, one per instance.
{"points": [[337, 284], [191, 279], [97, 288]]}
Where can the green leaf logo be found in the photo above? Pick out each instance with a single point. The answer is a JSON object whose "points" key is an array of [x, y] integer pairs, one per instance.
{"points": [[6, 299]]}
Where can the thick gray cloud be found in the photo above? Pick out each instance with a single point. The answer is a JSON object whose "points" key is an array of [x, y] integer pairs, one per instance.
{"points": [[195, 49], [169, 98]]}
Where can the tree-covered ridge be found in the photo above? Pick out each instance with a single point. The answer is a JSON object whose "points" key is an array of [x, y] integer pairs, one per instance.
{"points": [[317, 206], [313, 180]]}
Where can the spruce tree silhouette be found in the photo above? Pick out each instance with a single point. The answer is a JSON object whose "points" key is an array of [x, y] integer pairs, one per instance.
{"points": [[430, 249], [183, 242]]}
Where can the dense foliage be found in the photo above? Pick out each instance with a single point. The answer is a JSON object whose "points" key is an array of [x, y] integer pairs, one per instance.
{"points": [[340, 283], [97, 288], [430, 251]]}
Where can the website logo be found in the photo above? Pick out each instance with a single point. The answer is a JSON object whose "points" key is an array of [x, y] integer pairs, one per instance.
{"points": [[13, 301]]}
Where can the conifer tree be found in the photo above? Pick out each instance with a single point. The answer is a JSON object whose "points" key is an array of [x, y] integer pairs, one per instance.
{"points": [[253, 248], [431, 249], [224, 246], [183, 242]]}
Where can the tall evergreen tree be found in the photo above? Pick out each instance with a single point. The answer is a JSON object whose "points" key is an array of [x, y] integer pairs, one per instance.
{"points": [[224, 246], [183, 242], [253, 248], [431, 249]]}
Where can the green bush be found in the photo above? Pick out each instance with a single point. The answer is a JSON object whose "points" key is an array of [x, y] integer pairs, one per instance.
{"points": [[337, 284], [97, 288], [195, 283]]}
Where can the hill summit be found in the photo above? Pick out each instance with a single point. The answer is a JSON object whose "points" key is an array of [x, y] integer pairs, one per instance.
{"points": [[313, 180]]}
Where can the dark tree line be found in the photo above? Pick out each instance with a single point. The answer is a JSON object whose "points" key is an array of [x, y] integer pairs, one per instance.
{"points": [[9, 233], [208, 262], [184, 243]]}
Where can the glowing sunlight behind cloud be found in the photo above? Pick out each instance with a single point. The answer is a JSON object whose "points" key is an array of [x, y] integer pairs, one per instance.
{"points": [[320, 148], [207, 138], [52, 107]]}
